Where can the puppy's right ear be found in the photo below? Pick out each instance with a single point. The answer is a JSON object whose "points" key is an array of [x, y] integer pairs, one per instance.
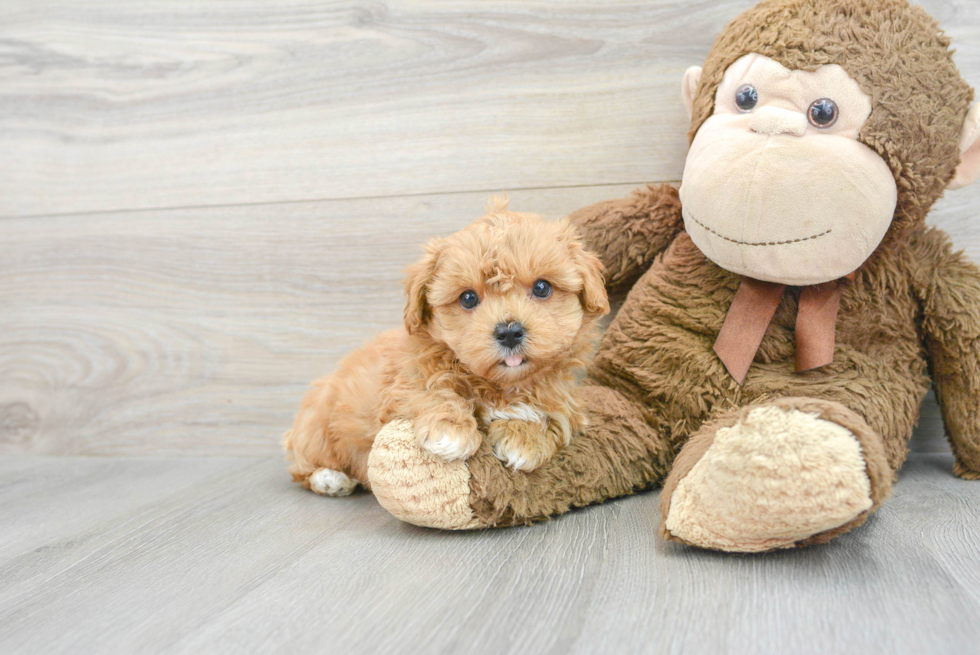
{"points": [[417, 279], [594, 298]]}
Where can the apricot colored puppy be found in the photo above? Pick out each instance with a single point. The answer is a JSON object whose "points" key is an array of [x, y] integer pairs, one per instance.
{"points": [[500, 318]]}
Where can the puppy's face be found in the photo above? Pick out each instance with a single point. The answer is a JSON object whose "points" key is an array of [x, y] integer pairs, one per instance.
{"points": [[509, 294]]}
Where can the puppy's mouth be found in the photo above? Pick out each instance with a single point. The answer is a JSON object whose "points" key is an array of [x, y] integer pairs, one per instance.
{"points": [[513, 361]]}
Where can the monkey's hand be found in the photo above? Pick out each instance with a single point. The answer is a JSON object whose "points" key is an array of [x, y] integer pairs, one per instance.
{"points": [[948, 286]]}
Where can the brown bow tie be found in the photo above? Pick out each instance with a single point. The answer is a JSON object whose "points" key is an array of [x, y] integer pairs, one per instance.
{"points": [[752, 309]]}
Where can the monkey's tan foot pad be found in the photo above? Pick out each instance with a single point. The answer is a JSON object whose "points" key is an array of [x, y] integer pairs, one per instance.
{"points": [[416, 486], [775, 478]]}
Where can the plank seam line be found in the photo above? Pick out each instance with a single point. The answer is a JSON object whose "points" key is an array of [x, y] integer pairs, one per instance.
{"points": [[144, 210]]}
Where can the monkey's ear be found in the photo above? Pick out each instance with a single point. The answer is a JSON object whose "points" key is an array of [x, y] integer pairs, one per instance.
{"points": [[417, 279], [969, 169], [689, 88]]}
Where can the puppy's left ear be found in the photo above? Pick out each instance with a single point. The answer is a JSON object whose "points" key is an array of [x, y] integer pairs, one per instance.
{"points": [[417, 279], [593, 296]]}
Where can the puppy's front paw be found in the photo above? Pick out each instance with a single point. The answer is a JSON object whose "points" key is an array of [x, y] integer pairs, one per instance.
{"points": [[522, 445], [448, 439]]}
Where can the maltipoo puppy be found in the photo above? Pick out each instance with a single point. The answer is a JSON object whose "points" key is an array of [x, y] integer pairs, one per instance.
{"points": [[500, 318]]}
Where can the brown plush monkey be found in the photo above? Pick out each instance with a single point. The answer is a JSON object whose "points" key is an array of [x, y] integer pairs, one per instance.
{"points": [[787, 308]]}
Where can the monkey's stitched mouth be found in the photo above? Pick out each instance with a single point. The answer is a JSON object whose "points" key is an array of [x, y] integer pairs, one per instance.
{"points": [[758, 243]]}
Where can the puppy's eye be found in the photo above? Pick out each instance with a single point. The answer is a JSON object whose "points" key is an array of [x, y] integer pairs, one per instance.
{"points": [[541, 289], [746, 98], [468, 299]]}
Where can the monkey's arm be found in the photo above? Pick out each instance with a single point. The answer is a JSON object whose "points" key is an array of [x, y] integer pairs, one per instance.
{"points": [[627, 234], [948, 285]]}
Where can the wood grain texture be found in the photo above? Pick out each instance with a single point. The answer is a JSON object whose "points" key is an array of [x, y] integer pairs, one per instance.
{"points": [[196, 331], [223, 555], [117, 105]]}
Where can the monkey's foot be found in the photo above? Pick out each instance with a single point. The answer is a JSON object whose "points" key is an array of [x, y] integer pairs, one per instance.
{"points": [[417, 486], [788, 473]]}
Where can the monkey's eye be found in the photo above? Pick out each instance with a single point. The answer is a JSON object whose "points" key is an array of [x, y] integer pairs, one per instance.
{"points": [[823, 113], [468, 299], [746, 98], [541, 289]]}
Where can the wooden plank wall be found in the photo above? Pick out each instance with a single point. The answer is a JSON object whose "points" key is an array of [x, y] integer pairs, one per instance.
{"points": [[205, 204]]}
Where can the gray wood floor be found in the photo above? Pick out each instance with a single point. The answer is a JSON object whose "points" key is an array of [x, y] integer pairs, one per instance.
{"points": [[178, 555], [204, 205]]}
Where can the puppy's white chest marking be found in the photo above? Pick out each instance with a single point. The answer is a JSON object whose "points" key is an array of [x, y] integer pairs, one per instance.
{"points": [[515, 412]]}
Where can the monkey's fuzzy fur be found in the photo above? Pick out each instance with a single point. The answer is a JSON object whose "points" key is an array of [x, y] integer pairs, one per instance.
{"points": [[911, 313]]}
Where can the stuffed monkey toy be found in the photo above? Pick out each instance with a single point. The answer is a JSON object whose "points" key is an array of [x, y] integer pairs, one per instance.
{"points": [[788, 306]]}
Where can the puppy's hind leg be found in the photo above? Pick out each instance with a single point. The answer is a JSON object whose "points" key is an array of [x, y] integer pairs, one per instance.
{"points": [[313, 465], [322, 457], [328, 482], [332, 436]]}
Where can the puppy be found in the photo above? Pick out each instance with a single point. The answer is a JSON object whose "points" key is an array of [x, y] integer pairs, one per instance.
{"points": [[500, 317]]}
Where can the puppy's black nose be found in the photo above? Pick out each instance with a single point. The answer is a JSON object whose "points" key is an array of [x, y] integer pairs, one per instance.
{"points": [[509, 335]]}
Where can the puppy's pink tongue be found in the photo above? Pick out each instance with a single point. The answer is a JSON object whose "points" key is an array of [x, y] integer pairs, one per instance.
{"points": [[513, 360]]}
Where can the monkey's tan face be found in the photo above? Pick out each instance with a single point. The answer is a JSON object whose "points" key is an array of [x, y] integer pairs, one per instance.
{"points": [[776, 185]]}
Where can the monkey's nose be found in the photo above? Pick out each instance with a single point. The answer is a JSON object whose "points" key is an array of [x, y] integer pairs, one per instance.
{"points": [[509, 335], [773, 121]]}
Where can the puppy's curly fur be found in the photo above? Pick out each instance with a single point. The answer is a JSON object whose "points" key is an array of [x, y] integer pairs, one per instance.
{"points": [[507, 365]]}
